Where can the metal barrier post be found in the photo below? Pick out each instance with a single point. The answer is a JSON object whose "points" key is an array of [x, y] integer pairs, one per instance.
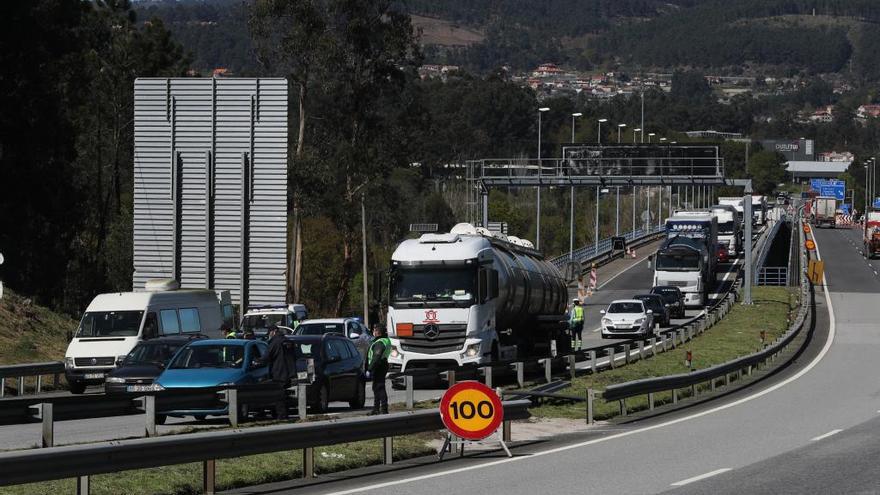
{"points": [[572, 366], [547, 362], [505, 431], [589, 406], [2, 387], [712, 385], [653, 346], [593, 362], [486, 371], [209, 476], [664, 339], [518, 367], [150, 416], [611, 357], [641, 349], [232, 406], [83, 485], [388, 450], [623, 407], [674, 396], [301, 402], [410, 394], [21, 386], [56, 384], [39, 383], [308, 462], [626, 350], [650, 401], [450, 378]]}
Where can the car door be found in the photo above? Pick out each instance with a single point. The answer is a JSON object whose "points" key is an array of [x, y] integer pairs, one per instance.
{"points": [[259, 373], [348, 370], [333, 369]]}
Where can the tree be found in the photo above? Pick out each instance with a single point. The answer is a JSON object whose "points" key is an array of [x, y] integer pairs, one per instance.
{"points": [[767, 169]]}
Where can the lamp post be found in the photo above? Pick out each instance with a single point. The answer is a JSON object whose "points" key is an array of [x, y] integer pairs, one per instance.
{"points": [[571, 212], [650, 136], [538, 199], [635, 131], [619, 128], [599, 132], [574, 116]]}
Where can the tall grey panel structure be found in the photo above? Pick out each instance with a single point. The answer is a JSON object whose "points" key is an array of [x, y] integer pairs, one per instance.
{"points": [[210, 185]]}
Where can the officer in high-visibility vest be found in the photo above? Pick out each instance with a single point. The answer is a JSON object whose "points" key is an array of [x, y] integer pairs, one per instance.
{"points": [[576, 323], [377, 368]]}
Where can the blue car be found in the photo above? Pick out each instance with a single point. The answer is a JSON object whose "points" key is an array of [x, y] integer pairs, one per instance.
{"points": [[213, 363]]}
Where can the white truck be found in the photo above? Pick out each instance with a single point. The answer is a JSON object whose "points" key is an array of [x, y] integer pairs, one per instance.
{"points": [[759, 209], [729, 233], [470, 297], [825, 211], [687, 257], [114, 323], [737, 204]]}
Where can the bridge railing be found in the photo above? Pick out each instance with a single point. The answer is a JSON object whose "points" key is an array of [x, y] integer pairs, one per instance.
{"points": [[590, 252]]}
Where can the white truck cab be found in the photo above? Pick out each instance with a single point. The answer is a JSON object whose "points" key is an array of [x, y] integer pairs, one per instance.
{"points": [[258, 319], [114, 323]]}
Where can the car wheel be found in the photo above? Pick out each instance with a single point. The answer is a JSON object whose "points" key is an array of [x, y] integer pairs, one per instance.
{"points": [[360, 395], [322, 401], [77, 387], [160, 419]]}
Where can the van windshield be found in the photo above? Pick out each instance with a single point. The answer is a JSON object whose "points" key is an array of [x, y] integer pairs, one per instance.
{"points": [[110, 324]]}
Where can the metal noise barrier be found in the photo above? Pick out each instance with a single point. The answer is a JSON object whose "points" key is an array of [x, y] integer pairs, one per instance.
{"points": [[28, 466], [673, 382]]}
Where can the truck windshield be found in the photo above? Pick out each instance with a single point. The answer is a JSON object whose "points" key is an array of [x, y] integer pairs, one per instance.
{"points": [[262, 321], [678, 262], [725, 227], [433, 284], [110, 324]]}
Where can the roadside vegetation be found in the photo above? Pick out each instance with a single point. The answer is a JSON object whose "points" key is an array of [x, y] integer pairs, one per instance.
{"points": [[738, 334], [237, 472], [31, 333]]}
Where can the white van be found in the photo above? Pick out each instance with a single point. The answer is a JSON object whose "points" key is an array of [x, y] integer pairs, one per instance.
{"points": [[114, 323]]}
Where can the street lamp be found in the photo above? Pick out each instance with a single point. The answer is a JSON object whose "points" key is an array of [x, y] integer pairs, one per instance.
{"points": [[619, 128], [599, 136], [538, 198], [636, 130], [650, 135], [866, 190], [574, 116]]}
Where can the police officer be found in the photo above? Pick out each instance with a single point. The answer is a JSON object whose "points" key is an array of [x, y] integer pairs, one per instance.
{"points": [[377, 368], [576, 323]]}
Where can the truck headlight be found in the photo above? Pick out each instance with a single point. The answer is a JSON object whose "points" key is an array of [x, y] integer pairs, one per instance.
{"points": [[472, 350], [114, 379], [394, 352], [68, 362]]}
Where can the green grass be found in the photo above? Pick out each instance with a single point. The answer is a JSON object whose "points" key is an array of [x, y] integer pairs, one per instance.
{"points": [[31, 333], [237, 472], [738, 334]]}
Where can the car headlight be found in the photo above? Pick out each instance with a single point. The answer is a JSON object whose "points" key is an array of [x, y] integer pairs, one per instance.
{"points": [[606, 321], [114, 379], [472, 350], [639, 321], [68, 362], [157, 388]]}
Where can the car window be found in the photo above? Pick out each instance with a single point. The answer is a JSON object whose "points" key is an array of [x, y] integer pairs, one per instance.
{"points": [[331, 351], [352, 350], [189, 320], [170, 325], [341, 348]]}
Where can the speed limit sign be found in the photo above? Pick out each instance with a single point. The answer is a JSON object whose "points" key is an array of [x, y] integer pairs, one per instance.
{"points": [[471, 410]]}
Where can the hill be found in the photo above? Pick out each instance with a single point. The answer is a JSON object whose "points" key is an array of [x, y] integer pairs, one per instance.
{"points": [[30, 333]]}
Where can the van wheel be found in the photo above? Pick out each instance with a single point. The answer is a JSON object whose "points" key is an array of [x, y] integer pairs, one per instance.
{"points": [[77, 387], [360, 395]]}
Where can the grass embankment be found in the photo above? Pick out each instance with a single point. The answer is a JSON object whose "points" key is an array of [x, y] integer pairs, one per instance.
{"points": [[237, 472], [738, 334], [30, 333]]}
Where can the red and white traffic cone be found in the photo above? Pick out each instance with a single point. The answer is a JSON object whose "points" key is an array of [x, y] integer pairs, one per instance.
{"points": [[632, 253]]}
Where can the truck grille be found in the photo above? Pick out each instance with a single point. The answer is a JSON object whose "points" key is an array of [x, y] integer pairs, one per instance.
{"points": [[448, 338], [99, 361], [676, 283]]}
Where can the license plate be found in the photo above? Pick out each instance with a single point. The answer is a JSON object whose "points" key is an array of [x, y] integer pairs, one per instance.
{"points": [[138, 388], [90, 376]]}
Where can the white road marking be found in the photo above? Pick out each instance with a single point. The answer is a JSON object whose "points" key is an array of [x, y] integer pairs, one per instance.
{"points": [[822, 437], [812, 364], [701, 477]]}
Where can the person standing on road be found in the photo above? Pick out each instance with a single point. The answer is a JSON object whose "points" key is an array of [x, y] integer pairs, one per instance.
{"points": [[281, 357], [377, 368], [576, 324]]}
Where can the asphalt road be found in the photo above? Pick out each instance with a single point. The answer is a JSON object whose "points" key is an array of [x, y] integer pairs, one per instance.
{"points": [[811, 428]]}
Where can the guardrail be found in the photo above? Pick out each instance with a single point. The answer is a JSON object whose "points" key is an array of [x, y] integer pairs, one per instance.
{"points": [[603, 247], [82, 461], [621, 392], [22, 371]]}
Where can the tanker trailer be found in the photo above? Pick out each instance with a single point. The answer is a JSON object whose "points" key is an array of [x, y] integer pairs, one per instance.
{"points": [[471, 297]]}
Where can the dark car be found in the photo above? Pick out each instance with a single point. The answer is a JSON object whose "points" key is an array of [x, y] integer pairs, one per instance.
{"points": [[338, 370], [672, 296], [143, 364], [656, 304]]}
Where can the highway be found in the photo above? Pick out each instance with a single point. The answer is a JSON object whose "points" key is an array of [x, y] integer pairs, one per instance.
{"points": [[811, 428]]}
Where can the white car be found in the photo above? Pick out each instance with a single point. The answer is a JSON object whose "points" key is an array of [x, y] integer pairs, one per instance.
{"points": [[350, 327], [627, 318]]}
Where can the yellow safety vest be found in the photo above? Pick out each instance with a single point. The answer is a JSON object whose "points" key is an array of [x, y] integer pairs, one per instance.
{"points": [[577, 314]]}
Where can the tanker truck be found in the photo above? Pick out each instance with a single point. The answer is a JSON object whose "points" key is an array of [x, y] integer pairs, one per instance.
{"points": [[471, 297]]}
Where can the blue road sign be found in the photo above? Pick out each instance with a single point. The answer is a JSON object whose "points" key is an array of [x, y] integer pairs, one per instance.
{"points": [[876, 202], [846, 208], [829, 187]]}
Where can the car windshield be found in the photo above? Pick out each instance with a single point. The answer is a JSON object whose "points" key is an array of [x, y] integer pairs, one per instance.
{"points": [[261, 322], [110, 324], [209, 356], [433, 284], [319, 328], [725, 227], [625, 307], [151, 353], [678, 262], [649, 301]]}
